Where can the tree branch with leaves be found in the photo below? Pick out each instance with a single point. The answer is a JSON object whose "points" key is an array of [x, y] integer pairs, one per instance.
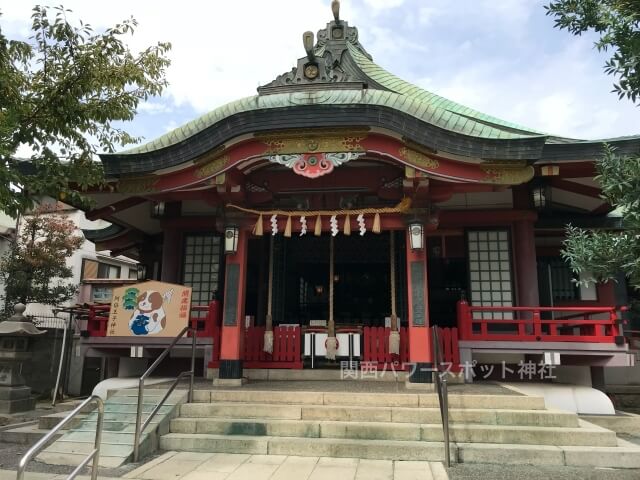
{"points": [[601, 255], [618, 24], [35, 268], [60, 93]]}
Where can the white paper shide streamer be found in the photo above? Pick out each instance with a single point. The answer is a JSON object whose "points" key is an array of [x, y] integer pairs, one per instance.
{"points": [[303, 225]]}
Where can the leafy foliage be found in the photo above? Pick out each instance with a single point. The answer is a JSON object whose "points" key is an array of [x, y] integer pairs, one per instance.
{"points": [[60, 94], [618, 24], [35, 267], [603, 254]]}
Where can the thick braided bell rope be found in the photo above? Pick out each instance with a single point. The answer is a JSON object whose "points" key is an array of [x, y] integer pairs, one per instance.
{"points": [[332, 342], [394, 335], [268, 333]]}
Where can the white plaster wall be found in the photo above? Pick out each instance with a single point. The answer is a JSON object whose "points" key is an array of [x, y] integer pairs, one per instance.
{"points": [[573, 375], [623, 375]]}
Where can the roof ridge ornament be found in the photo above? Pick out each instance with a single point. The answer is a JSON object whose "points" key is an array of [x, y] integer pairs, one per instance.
{"points": [[324, 62]]}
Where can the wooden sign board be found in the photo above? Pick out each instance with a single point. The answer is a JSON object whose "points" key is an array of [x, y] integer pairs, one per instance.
{"points": [[149, 309]]}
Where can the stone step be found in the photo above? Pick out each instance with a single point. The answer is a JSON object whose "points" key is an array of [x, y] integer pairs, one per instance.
{"points": [[64, 446], [587, 435], [63, 458], [25, 435], [152, 400], [547, 418], [625, 455], [47, 422], [511, 402], [108, 438], [345, 448], [115, 409], [113, 426]]}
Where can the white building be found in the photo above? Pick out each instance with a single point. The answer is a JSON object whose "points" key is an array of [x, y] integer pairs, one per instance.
{"points": [[96, 273]]}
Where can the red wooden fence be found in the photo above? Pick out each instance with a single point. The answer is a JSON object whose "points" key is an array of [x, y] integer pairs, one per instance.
{"points": [[375, 348], [286, 348], [206, 326], [576, 324], [448, 338]]}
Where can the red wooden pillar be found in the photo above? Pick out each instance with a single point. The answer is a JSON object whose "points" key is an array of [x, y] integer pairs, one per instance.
{"points": [[231, 348], [525, 249], [526, 266], [171, 254], [420, 355]]}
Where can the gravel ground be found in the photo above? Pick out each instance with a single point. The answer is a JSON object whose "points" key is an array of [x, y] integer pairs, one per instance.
{"points": [[10, 454], [516, 472]]}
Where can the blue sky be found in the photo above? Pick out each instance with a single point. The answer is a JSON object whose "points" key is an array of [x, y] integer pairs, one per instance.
{"points": [[502, 57]]}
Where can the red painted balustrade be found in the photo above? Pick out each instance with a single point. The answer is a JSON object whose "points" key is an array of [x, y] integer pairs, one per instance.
{"points": [[528, 324], [375, 349], [207, 325], [287, 352]]}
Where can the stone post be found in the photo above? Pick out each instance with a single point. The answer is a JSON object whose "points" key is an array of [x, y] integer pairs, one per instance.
{"points": [[15, 395]]}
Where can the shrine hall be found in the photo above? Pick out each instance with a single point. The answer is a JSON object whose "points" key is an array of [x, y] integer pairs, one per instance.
{"points": [[341, 213]]}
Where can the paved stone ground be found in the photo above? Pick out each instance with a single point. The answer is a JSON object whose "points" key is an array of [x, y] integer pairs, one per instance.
{"points": [[221, 466]]}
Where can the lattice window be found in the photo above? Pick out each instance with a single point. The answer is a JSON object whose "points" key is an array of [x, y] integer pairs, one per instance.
{"points": [[490, 276], [201, 267]]}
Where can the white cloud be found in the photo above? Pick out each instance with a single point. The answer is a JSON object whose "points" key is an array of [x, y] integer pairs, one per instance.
{"points": [[223, 50], [379, 5]]}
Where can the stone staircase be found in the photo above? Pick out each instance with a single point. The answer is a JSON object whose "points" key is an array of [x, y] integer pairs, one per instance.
{"points": [[118, 432], [504, 429]]}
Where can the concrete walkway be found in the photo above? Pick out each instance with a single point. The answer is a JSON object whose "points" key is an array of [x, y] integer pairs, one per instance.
{"points": [[223, 466]]}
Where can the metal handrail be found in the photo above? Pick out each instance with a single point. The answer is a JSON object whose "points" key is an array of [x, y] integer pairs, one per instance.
{"points": [[47, 439], [443, 393], [140, 426]]}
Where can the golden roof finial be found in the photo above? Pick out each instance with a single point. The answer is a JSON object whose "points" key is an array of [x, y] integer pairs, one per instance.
{"points": [[335, 8]]}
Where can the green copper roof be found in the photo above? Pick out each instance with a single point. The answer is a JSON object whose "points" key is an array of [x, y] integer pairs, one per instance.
{"points": [[346, 75], [409, 104], [397, 85]]}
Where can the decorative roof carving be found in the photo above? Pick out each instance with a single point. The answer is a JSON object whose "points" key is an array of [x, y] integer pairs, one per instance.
{"points": [[325, 61]]}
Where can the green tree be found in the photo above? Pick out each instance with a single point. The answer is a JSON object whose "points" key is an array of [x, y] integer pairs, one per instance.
{"points": [[60, 94], [35, 267], [618, 24], [602, 255]]}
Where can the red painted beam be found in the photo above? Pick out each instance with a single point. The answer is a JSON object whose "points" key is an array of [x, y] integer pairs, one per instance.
{"points": [[453, 218], [578, 188], [107, 211], [573, 170]]}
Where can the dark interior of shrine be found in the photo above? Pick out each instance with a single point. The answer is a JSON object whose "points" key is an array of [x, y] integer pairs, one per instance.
{"points": [[362, 285]]}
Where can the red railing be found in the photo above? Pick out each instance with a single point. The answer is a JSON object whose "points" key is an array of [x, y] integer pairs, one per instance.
{"points": [[375, 348], [286, 348], [206, 326], [448, 338], [576, 324]]}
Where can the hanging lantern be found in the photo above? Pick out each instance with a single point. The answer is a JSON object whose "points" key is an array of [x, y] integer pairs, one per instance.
{"points": [[416, 235], [541, 194], [158, 209], [231, 234]]}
